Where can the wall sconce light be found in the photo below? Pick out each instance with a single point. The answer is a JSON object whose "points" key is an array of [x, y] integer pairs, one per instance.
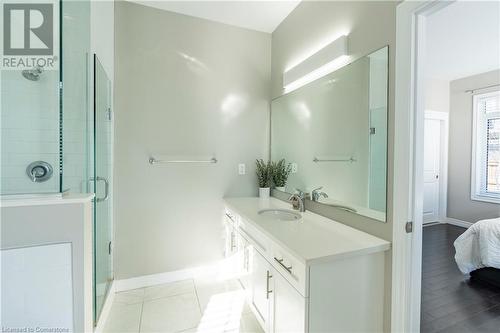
{"points": [[328, 59]]}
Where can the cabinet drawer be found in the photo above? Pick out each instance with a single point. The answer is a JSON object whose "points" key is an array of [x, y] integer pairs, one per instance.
{"points": [[254, 236], [290, 268]]}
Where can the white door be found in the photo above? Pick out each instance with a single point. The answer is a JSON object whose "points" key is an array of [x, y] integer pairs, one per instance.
{"points": [[261, 278], [288, 307], [432, 162]]}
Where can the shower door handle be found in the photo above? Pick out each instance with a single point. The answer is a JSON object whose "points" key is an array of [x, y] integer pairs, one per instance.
{"points": [[106, 188]]}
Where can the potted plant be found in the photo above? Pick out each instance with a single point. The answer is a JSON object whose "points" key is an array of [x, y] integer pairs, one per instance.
{"points": [[264, 177], [280, 172]]}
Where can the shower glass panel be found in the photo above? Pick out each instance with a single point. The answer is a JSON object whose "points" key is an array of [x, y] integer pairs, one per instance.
{"points": [[77, 114], [103, 272]]}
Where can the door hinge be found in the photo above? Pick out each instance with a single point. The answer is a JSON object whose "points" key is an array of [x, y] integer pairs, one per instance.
{"points": [[109, 248], [409, 227], [109, 115]]}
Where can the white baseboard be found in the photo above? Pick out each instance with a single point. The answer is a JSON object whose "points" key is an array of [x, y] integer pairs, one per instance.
{"points": [[430, 224], [458, 223], [106, 309], [167, 277]]}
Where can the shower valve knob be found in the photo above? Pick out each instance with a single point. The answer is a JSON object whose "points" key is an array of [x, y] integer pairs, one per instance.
{"points": [[39, 171]]}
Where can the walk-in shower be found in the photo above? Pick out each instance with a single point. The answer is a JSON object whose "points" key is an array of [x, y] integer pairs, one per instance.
{"points": [[56, 130], [46, 120]]}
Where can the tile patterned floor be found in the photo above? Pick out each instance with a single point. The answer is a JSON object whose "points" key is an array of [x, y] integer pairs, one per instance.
{"points": [[201, 306], [451, 303]]}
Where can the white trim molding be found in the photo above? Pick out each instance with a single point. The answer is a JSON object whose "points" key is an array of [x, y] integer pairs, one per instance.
{"points": [[458, 223], [408, 166], [478, 190]]}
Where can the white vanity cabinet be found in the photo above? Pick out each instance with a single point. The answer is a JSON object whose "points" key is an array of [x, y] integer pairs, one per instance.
{"points": [[315, 275], [277, 305], [288, 306], [260, 288]]}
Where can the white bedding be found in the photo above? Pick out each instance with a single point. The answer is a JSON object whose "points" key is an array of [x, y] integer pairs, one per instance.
{"points": [[479, 246]]}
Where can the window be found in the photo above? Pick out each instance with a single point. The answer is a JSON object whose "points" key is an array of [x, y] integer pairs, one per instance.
{"points": [[486, 148]]}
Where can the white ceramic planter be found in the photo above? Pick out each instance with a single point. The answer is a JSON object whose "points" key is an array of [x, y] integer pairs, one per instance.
{"points": [[281, 188], [264, 192]]}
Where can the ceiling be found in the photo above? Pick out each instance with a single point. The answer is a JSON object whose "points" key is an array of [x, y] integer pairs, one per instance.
{"points": [[463, 39], [262, 16]]}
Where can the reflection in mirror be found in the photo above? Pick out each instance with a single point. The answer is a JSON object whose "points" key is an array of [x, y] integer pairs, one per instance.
{"points": [[333, 131]]}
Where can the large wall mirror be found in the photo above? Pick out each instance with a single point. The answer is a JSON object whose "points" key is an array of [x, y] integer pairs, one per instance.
{"points": [[333, 132]]}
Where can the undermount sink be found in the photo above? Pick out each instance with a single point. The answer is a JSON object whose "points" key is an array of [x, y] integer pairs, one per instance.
{"points": [[281, 214]]}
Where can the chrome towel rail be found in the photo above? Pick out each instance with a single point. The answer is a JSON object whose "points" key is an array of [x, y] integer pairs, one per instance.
{"points": [[153, 160], [343, 159]]}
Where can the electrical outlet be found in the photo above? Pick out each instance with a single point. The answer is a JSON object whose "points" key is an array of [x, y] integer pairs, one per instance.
{"points": [[241, 169], [295, 168]]}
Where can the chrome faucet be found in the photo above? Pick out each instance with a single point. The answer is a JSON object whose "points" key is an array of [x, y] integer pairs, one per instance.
{"points": [[317, 194], [299, 198]]}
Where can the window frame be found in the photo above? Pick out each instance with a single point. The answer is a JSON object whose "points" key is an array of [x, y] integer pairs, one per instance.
{"points": [[478, 160]]}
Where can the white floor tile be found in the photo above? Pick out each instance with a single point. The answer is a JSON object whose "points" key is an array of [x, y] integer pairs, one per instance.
{"points": [[223, 312], [169, 289], [170, 314], [130, 297], [174, 307], [123, 318], [206, 291]]}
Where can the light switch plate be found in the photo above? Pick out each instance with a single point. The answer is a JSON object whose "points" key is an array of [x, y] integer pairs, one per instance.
{"points": [[241, 169], [295, 168]]}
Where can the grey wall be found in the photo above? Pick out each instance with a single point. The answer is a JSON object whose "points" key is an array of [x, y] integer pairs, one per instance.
{"points": [[370, 25], [460, 205], [183, 86], [437, 95]]}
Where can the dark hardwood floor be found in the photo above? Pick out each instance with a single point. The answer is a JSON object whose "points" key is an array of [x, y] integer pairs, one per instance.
{"points": [[450, 301]]}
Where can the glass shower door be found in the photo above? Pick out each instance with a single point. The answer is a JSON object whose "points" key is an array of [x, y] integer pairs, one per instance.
{"points": [[103, 271]]}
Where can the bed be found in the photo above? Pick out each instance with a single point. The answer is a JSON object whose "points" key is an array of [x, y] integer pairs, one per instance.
{"points": [[477, 251]]}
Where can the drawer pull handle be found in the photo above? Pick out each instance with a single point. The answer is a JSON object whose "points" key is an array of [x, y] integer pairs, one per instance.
{"points": [[229, 217], [232, 241], [269, 276], [280, 261]]}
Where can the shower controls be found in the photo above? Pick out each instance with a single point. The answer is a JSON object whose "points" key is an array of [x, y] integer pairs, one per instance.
{"points": [[39, 171]]}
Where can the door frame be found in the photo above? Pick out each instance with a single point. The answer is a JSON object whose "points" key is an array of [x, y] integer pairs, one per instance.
{"points": [[408, 162], [443, 118]]}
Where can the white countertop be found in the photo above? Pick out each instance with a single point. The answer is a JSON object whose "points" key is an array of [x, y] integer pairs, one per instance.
{"points": [[312, 239], [44, 199]]}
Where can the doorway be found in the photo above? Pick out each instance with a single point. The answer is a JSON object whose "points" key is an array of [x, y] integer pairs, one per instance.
{"points": [[409, 153]]}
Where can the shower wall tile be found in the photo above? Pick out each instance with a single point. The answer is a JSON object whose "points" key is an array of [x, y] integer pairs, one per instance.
{"points": [[29, 131]]}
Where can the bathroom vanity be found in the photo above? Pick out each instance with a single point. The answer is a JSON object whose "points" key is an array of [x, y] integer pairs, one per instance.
{"points": [[304, 273]]}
